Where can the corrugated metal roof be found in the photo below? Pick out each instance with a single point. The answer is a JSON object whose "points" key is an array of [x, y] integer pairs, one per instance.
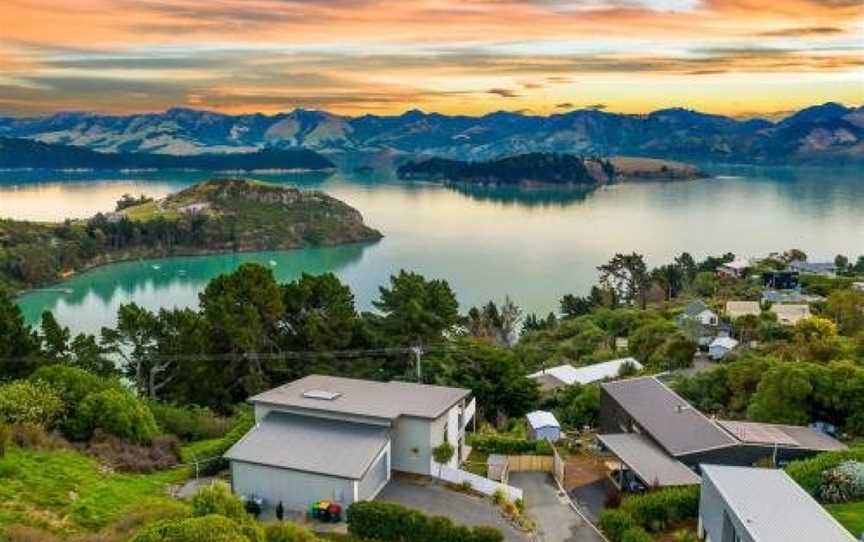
{"points": [[772, 507], [651, 464], [783, 435], [670, 420], [541, 418], [387, 400], [736, 309], [596, 372], [725, 342], [322, 446]]}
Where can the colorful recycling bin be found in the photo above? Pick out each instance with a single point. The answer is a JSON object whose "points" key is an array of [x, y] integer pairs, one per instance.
{"points": [[335, 512]]}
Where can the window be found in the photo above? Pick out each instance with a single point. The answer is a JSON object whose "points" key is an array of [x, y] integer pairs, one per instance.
{"points": [[730, 533]]}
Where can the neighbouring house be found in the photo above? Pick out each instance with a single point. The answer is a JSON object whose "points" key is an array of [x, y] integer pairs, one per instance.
{"points": [[791, 314], [699, 312], [781, 280], [792, 296], [658, 439], [827, 269], [567, 375], [745, 504], [737, 309], [339, 439], [858, 286], [720, 347], [735, 268], [543, 425]]}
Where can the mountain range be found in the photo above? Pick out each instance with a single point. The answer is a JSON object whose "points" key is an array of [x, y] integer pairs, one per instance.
{"points": [[828, 133]]}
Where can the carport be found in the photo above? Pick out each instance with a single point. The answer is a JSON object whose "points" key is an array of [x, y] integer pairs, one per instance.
{"points": [[298, 460], [642, 463]]}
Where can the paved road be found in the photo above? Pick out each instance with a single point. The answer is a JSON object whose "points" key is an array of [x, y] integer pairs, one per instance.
{"points": [[436, 500], [556, 521]]}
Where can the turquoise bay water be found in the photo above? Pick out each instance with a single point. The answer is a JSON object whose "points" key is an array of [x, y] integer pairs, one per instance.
{"points": [[533, 245]]}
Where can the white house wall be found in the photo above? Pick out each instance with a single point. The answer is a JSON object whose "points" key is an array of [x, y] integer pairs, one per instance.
{"points": [[410, 445], [295, 489]]}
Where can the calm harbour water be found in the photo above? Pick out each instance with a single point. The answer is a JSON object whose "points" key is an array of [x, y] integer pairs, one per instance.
{"points": [[533, 245]]}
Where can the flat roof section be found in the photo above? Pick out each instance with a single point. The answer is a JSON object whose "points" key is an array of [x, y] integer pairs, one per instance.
{"points": [[316, 445], [651, 464]]}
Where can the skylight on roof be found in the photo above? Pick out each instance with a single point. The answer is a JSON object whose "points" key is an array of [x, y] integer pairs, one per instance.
{"points": [[321, 394]]}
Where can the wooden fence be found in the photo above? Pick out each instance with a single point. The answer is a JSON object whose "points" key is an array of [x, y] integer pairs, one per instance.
{"points": [[522, 463]]}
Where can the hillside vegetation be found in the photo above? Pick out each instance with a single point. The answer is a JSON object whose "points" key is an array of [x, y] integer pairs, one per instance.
{"points": [[214, 216], [24, 153]]}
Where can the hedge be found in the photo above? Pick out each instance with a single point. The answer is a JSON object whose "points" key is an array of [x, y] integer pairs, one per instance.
{"points": [[213, 452], [116, 412], [390, 522], [652, 511], [808, 472], [496, 444]]}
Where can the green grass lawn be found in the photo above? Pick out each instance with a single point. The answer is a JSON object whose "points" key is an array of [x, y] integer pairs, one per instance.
{"points": [[67, 491], [851, 515]]}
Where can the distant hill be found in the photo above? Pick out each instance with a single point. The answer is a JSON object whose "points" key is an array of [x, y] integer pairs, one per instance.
{"points": [[25, 153], [547, 169], [828, 133], [222, 215]]}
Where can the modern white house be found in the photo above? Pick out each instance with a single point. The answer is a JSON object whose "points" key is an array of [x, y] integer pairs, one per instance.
{"points": [[790, 314], [567, 375], [339, 439], [746, 504], [543, 425], [735, 268], [720, 347]]}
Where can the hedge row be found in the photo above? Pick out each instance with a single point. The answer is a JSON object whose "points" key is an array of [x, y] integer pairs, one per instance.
{"points": [[808, 472], [212, 451], [390, 522], [496, 444], [650, 512]]}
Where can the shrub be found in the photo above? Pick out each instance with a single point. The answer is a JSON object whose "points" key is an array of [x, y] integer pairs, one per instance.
{"points": [[289, 532], [35, 437], [843, 483], [390, 522], [808, 472], [189, 424], [22, 401], [636, 534], [5, 434], [218, 499], [498, 496], [496, 444], [71, 383], [24, 533], [115, 412], [163, 452], [657, 510], [614, 523], [212, 528]]}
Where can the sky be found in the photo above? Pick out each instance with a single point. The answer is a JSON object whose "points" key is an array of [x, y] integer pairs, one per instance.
{"points": [[736, 57]]}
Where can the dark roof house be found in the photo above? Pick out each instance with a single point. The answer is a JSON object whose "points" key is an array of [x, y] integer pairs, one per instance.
{"points": [[667, 425]]}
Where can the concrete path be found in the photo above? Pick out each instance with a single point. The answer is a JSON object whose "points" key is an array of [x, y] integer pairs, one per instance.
{"points": [[556, 521], [437, 500]]}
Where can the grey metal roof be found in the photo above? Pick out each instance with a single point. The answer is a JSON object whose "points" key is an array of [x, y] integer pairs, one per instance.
{"points": [[322, 446], [788, 436], [387, 400], [670, 420], [694, 308], [772, 507], [651, 464]]}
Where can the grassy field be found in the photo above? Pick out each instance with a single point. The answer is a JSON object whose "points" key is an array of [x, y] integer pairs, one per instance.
{"points": [[851, 515], [66, 491]]}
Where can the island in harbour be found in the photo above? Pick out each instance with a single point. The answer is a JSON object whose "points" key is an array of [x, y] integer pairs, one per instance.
{"points": [[539, 169], [216, 216]]}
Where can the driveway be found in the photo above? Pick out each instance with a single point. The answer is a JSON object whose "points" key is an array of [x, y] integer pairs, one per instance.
{"points": [[437, 500], [556, 521]]}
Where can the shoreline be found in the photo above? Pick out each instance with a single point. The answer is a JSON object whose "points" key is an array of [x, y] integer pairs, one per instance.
{"points": [[202, 253]]}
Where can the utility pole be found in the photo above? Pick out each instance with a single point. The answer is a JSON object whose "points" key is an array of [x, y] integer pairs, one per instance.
{"points": [[418, 353]]}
